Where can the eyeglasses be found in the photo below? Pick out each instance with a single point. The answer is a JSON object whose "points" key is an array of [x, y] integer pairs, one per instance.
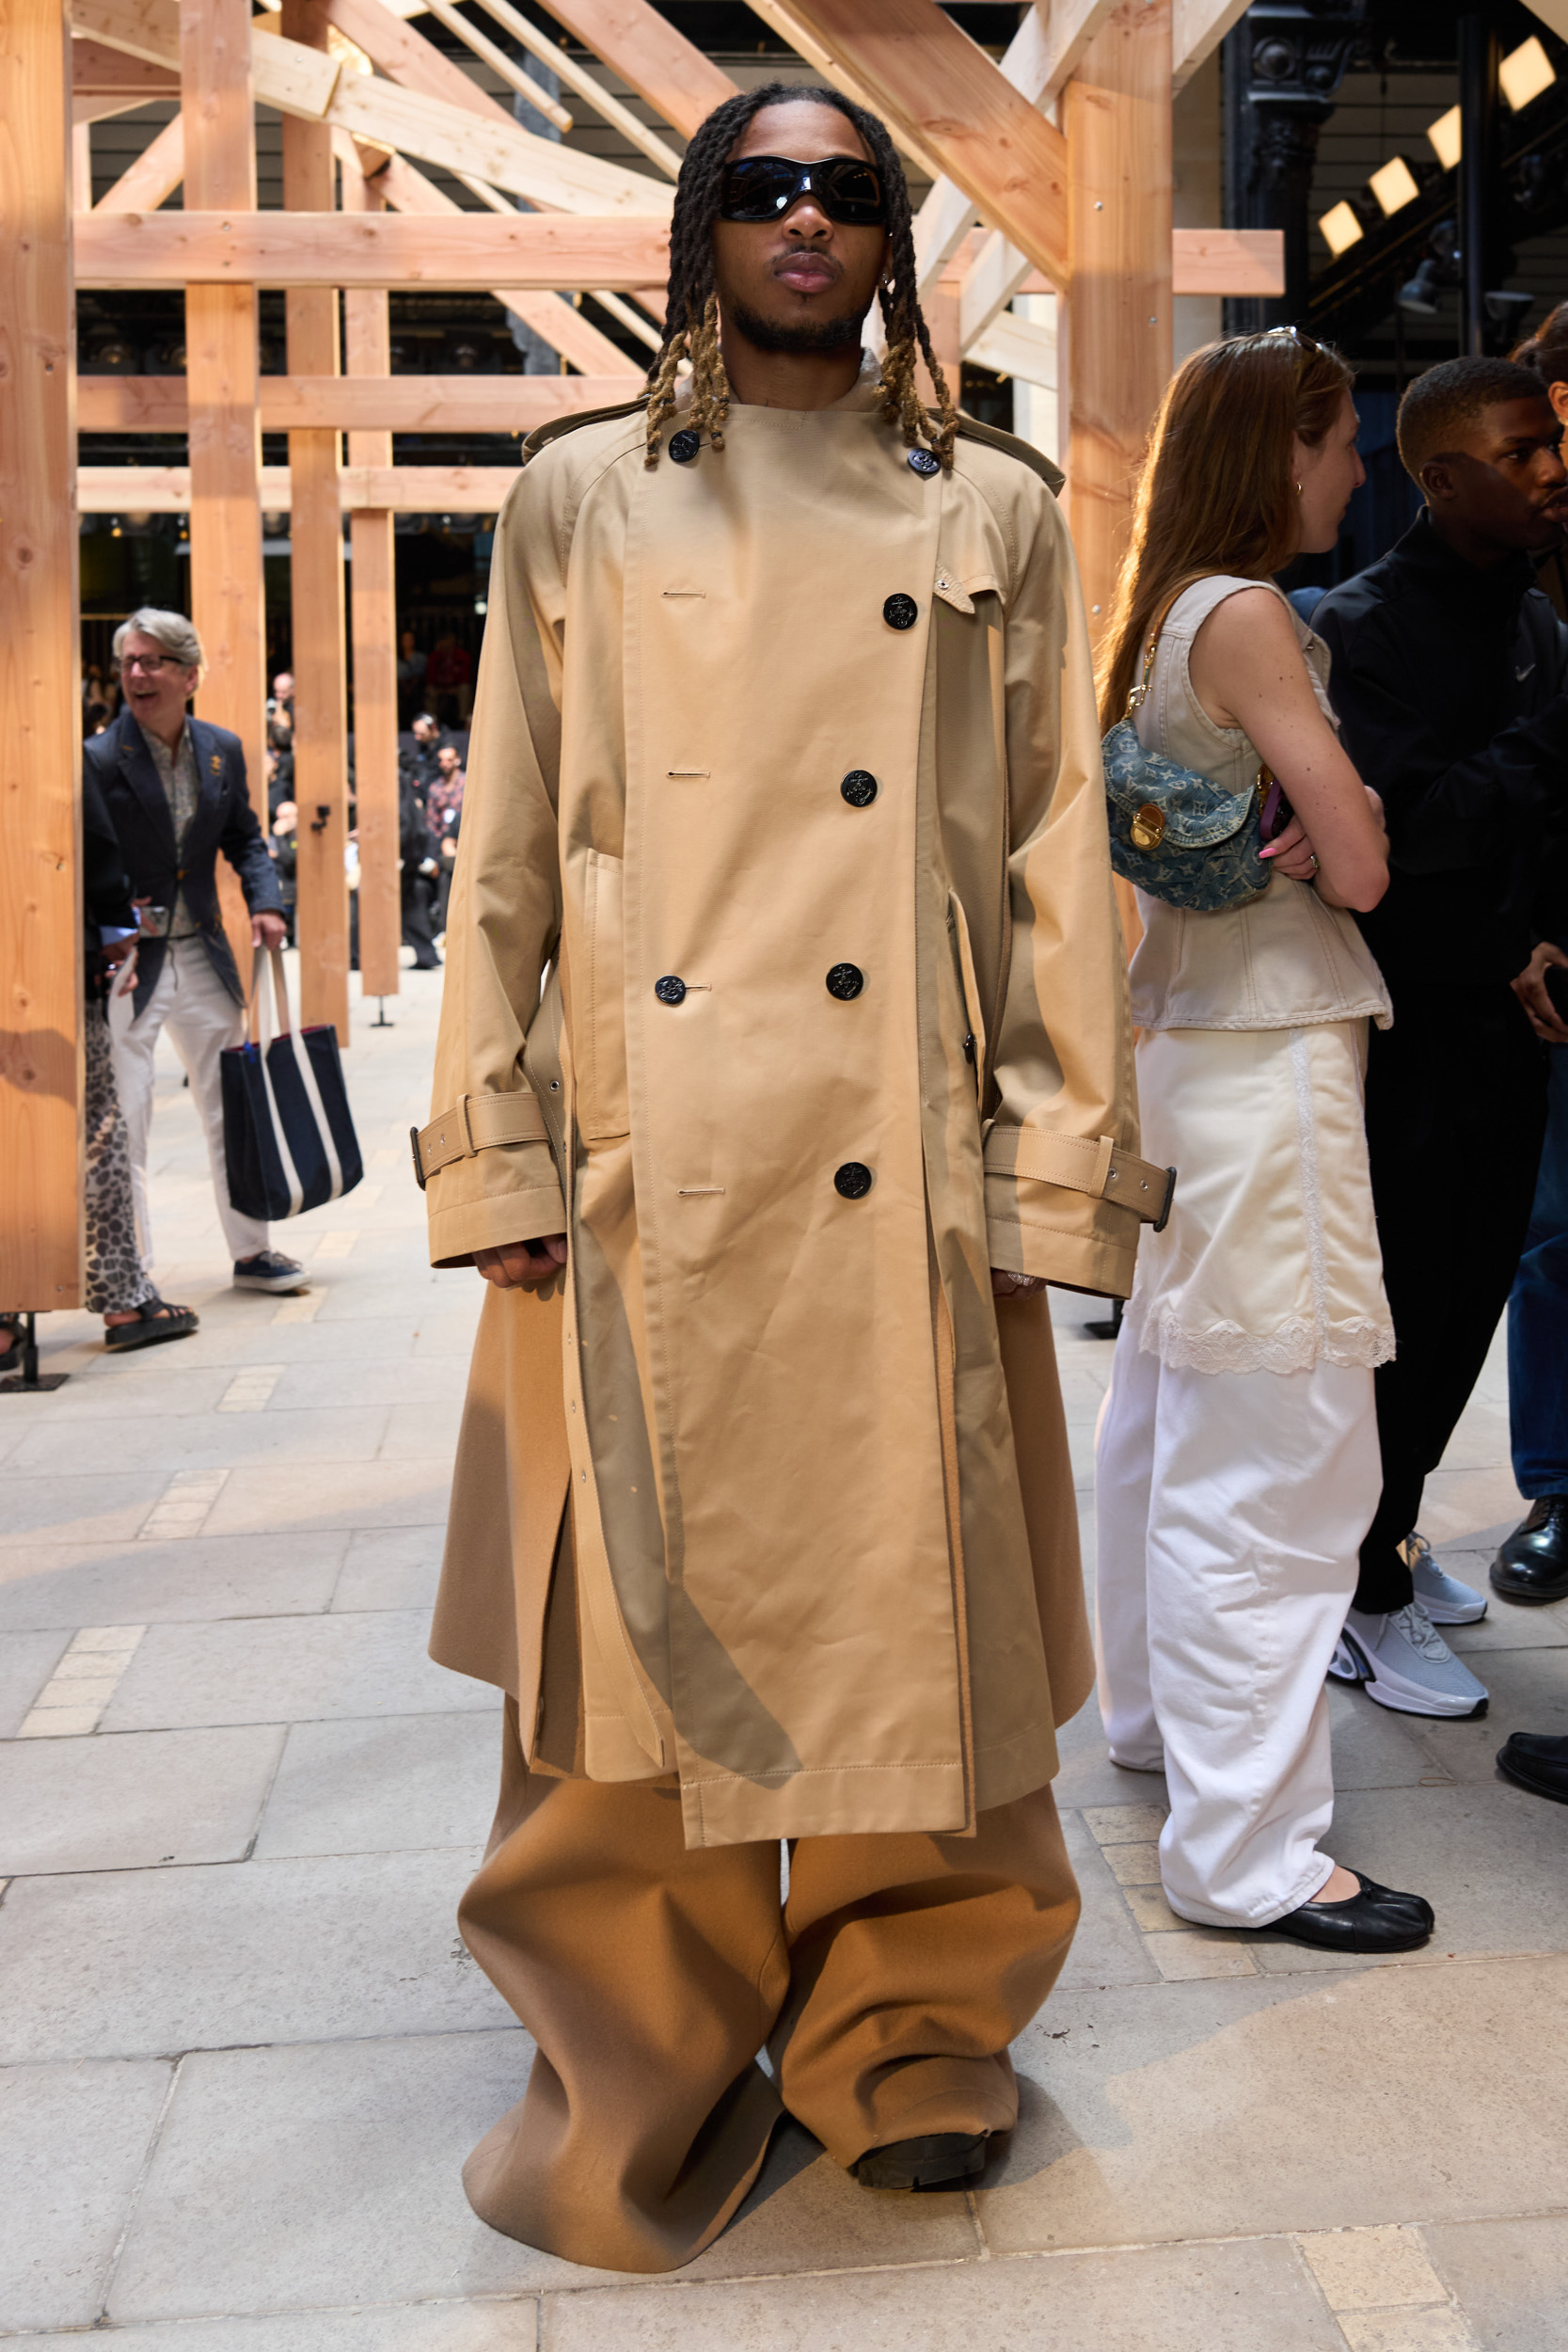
{"points": [[764, 187], [151, 662]]}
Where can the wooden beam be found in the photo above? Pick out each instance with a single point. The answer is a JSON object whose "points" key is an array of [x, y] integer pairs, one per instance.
{"points": [[577, 77], [649, 55], [1228, 260], [562, 327], [40, 747], [505, 67], [153, 177], [1015, 346], [367, 353], [359, 403], [319, 657], [466, 252], [1553, 13], [831, 64], [921, 71], [99, 71], [1119, 130], [227, 594], [403, 489], [1196, 29]]}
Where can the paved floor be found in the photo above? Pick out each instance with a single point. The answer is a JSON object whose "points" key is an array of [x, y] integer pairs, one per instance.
{"points": [[242, 2052]]}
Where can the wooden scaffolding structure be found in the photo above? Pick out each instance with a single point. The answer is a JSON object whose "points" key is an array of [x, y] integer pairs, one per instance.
{"points": [[1051, 169]]}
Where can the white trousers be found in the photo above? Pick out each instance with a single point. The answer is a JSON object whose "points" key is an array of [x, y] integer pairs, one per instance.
{"points": [[1229, 1509], [192, 1003]]}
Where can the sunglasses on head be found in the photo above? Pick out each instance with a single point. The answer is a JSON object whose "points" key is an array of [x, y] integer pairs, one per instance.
{"points": [[763, 187]]}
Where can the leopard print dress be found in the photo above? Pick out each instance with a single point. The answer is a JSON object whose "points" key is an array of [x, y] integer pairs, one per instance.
{"points": [[115, 1280]]}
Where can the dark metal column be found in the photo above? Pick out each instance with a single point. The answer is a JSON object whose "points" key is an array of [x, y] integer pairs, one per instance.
{"points": [[1478, 54]]}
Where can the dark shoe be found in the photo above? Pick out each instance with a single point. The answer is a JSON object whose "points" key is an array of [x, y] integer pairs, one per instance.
{"points": [[1538, 1763], [1532, 1566], [156, 1320], [269, 1270], [1375, 1921], [940, 2160]]}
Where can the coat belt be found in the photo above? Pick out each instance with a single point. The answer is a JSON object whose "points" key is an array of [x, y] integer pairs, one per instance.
{"points": [[1088, 1164], [478, 1121]]}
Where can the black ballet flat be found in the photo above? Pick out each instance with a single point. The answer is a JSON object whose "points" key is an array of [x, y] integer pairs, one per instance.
{"points": [[1374, 1920], [940, 2160]]}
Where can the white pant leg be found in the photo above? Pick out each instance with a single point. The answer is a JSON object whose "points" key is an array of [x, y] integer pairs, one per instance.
{"points": [[1263, 1485], [202, 1018], [1123, 1468], [134, 1045]]}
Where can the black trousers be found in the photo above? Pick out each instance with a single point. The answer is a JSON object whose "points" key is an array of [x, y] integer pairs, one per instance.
{"points": [[1456, 1110], [419, 891]]}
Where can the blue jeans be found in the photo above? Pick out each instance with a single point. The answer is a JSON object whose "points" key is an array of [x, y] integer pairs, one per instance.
{"points": [[1538, 1314]]}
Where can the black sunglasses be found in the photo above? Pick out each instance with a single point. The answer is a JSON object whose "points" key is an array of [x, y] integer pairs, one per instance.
{"points": [[763, 187]]}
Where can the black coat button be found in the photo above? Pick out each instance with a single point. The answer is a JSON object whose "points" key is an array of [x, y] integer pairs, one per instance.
{"points": [[853, 1180], [846, 980], [670, 990], [969, 1046], [899, 611], [684, 445], [859, 787], [924, 462]]}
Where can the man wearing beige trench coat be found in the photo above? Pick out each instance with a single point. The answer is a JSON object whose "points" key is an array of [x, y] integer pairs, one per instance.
{"points": [[784, 790]]}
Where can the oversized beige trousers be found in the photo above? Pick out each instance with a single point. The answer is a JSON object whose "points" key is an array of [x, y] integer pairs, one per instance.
{"points": [[886, 1990]]}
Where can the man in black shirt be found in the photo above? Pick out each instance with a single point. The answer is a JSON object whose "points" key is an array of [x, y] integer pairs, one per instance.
{"points": [[1450, 678]]}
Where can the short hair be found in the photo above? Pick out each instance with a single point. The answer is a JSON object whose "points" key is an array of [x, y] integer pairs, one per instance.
{"points": [[422, 719], [171, 630], [1441, 405]]}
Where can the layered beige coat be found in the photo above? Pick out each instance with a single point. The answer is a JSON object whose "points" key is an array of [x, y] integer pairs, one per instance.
{"points": [[820, 1558]]}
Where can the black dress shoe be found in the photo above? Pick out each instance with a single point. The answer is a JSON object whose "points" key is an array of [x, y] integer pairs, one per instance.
{"points": [[1538, 1763], [1532, 1566], [940, 2160], [1375, 1921]]}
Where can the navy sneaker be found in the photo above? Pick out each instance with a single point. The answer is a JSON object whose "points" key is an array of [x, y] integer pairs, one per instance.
{"points": [[269, 1270]]}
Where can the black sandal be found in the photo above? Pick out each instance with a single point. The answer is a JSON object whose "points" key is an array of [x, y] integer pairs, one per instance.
{"points": [[157, 1320], [10, 1331]]}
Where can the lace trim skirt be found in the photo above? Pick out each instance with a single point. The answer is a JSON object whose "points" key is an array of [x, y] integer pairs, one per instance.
{"points": [[1270, 1262]]}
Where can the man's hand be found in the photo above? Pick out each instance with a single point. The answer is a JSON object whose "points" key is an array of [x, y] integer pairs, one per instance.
{"points": [[522, 1264], [1005, 1285], [1530, 989], [267, 931]]}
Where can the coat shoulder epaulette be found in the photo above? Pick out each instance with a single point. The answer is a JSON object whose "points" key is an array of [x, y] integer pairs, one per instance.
{"points": [[543, 435], [971, 429]]}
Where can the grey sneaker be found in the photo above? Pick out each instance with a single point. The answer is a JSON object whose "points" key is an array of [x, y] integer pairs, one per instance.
{"points": [[269, 1270], [1405, 1664], [1446, 1600], [1344, 1667]]}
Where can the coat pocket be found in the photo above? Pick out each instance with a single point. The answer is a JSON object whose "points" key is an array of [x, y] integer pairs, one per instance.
{"points": [[601, 1053]]}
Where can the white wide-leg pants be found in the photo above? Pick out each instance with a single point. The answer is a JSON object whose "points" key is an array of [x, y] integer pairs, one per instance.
{"points": [[192, 1003], [1230, 1509]]}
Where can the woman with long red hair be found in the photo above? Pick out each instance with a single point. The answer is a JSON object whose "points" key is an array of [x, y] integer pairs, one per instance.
{"points": [[1237, 1461]]}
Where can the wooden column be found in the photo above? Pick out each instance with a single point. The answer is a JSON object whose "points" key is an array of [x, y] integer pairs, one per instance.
{"points": [[41, 732], [373, 578], [316, 574], [1118, 315], [227, 593]]}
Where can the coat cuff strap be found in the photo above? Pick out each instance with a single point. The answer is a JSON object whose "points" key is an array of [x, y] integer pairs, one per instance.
{"points": [[478, 1121], [1090, 1163]]}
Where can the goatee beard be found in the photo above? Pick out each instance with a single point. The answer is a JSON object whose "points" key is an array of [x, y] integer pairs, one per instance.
{"points": [[830, 334]]}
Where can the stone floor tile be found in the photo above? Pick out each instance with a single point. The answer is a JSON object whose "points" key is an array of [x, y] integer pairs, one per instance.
{"points": [[1198, 1952], [333, 1494], [26, 1663], [406, 1380], [490, 2327], [150, 1384], [451, 1335], [1506, 1625], [1458, 1503], [287, 1670], [136, 1801], [382, 1788], [417, 1431], [1211, 2298], [1107, 1948], [240, 1576], [1440, 2330], [1492, 1860], [1151, 1913], [1173, 2113], [1124, 1824], [72, 2142], [807, 2214], [391, 1567], [141, 1962], [1528, 1691], [204, 1440], [1509, 2277], [1373, 1747], [1133, 1866], [84, 1509], [1363, 2270]]}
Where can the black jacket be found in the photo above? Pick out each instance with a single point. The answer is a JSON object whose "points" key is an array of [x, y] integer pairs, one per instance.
{"points": [[1451, 685], [137, 807]]}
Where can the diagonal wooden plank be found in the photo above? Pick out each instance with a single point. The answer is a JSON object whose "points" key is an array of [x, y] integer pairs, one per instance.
{"points": [[919, 70], [650, 56], [1196, 29], [834, 69], [153, 178], [577, 77]]}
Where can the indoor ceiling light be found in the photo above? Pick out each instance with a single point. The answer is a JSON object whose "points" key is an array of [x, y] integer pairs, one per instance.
{"points": [[1444, 135], [1340, 229], [1394, 185], [1524, 73]]}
